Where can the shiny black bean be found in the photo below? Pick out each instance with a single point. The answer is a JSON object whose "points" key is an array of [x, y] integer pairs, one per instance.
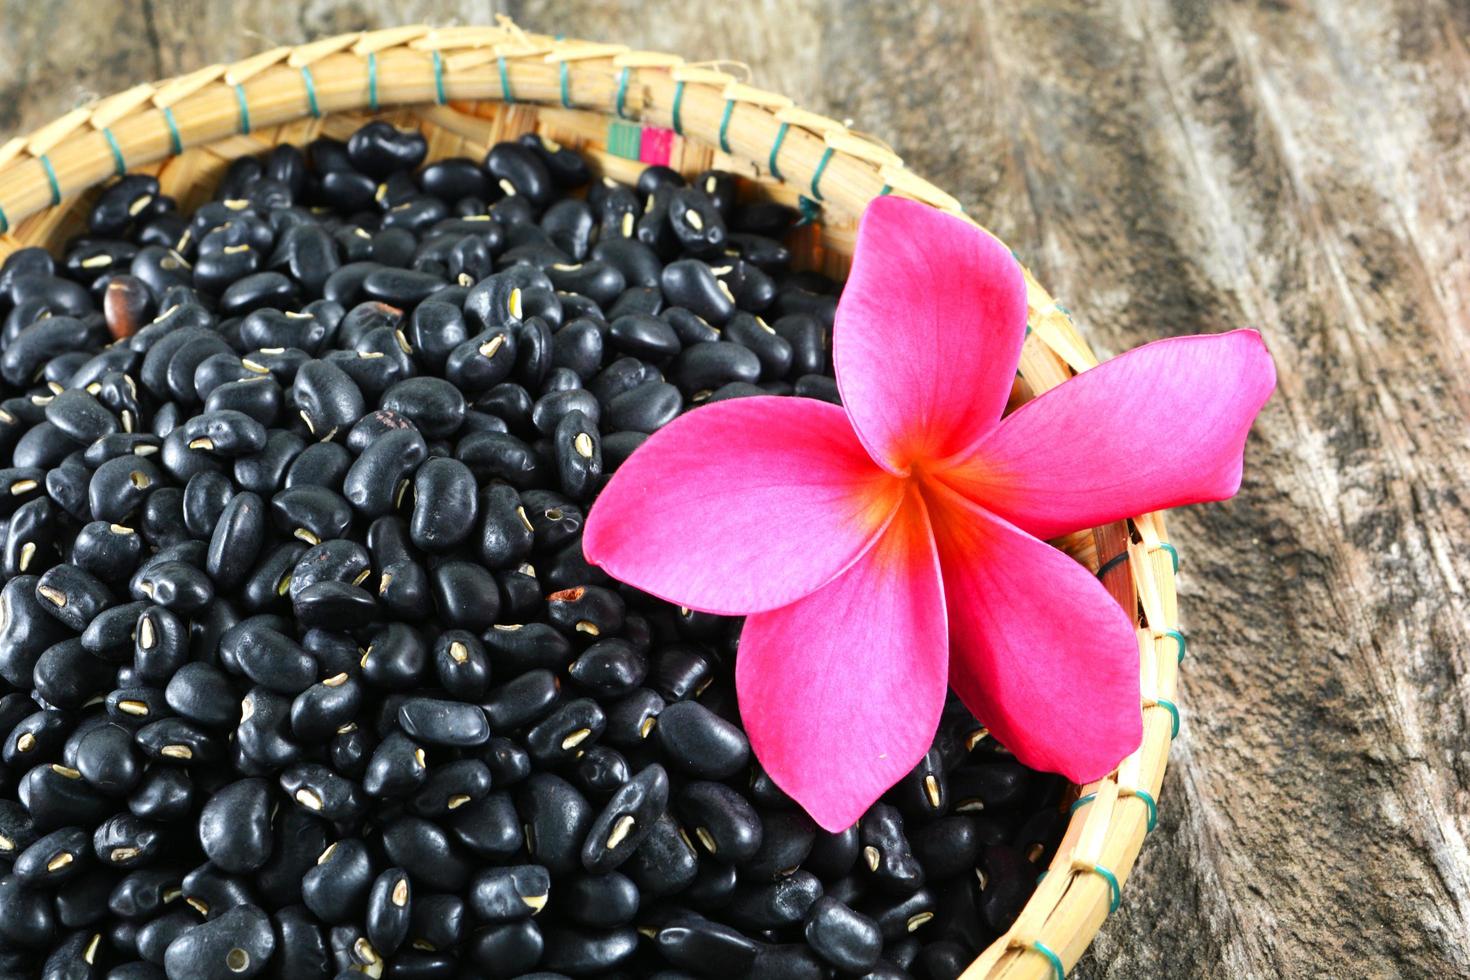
{"points": [[705, 948], [175, 741], [81, 416], [665, 863], [206, 496], [269, 658], [886, 850], [319, 790], [311, 514], [264, 472], [507, 950], [376, 481], [707, 366], [445, 504], [647, 408], [570, 729], [55, 858], [586, 952], [551, 408], [626, 820], [395, 658], [142, 894], [236, 540], [57, 796], [119, 486], [235, 826], [461, 665], [329, 604], [127, 198], [693, 285], [322, 464], [465, 595], [176, 585], [701, 743], [327, 399], [378, 149], [643, 336], [201, 692], [426, 852], [517, 171], [107, 760], [506, 894], [724, 823], [446, 723], [398, 768], [37, 737], [819, 387], [610, 668], [451, 786], [239, 943], [389, 911], [325, 707], [901, 916]]}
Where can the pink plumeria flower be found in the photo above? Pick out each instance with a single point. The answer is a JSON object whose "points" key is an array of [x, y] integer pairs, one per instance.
{"points": [[887, 549]]}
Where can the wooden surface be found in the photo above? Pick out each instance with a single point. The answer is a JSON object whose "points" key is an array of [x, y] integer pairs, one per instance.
{"points": [[1299, 166]]}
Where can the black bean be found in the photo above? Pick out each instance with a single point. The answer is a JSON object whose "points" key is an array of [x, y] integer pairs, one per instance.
{"points": [[707, 366], [886, 850], [444, 504], [570, 729], [665, 863], [897, 917], [318, 789], [375, 483], [264, 472], [517, 171], [107, 760], [724, 823], [177, 742], [692, 284], [706, 948], [507, 950], [465, 595], [586, 952], [506, 894], [646, 408], [426, 852], [235, 826], [462, 667], [322, 464], [57, 857], [239, 943], [700, 742], [446, 723], [627, 820]]}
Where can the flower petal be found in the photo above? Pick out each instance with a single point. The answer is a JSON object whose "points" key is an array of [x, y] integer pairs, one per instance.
{"points": [[741, 506], [1039, 651], [841, 692], [1157, 427], [928, 332]]}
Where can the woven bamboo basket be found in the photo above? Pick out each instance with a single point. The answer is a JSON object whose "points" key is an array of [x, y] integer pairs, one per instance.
{"points": [[467, 88]]}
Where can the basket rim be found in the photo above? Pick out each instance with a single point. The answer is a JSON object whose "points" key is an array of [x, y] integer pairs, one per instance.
{"points": [[434, 69]]}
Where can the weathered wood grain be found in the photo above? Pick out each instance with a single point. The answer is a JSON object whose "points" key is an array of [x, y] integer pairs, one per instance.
{"points": [[1165, 166]]}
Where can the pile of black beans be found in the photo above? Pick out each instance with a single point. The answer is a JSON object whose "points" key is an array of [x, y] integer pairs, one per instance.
{"points": [[302, 671]]}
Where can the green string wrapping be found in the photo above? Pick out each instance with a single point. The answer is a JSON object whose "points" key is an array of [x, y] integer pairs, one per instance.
{"points": [[244, 109], [51, 179], [176, 142], [439, 79], [776, 149], [119, 165], [372, 66], [623, 92], [310, 83], [506, 94]]}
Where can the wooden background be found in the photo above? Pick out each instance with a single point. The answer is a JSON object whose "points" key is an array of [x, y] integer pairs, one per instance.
{"points": [[1165, 166]]}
